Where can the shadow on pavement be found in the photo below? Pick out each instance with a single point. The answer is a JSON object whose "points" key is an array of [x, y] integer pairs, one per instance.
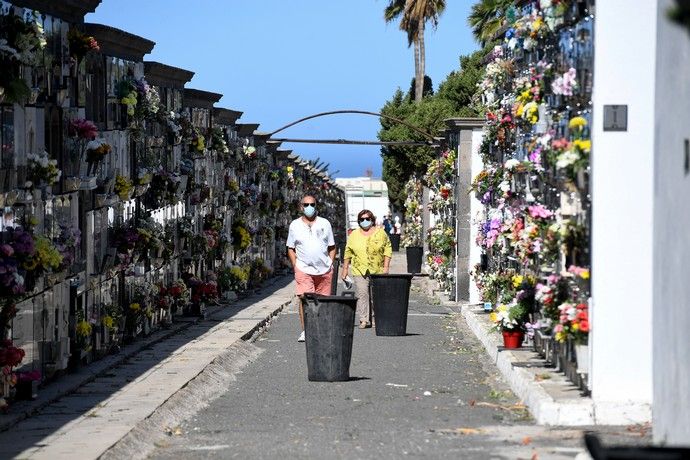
{"points": [[100, 384]]}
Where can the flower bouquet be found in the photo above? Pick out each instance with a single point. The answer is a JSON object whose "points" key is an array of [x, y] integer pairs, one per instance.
{"points": [[96, 150], [233, 279], [42, 170], [123, 187], [80, 44], [510, 321]]}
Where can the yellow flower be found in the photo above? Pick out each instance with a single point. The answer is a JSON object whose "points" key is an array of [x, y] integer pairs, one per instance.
{"points": [[584, 274], [531, 112], [108, 321], [560, 337], [135, 306], [525, 96], [83, 329], [578, 123], [575, 327], [537, 24], [517, 281], [584, 145], [519, 111], [493, 317]]}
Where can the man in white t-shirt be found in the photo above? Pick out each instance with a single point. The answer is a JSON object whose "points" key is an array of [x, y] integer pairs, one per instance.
{"points": [[311, 250]]}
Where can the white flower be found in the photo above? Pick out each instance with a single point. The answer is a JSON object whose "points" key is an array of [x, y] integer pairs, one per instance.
{"points": [[567, 158], [94, 144], [504, 186], [511, 164]]}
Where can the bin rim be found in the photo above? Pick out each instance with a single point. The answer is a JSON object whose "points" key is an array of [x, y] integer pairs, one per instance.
{"points": [[393, 275], [315, 296]]}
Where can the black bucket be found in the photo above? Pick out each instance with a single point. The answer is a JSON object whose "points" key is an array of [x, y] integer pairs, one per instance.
{"points": [[329, 326], [395, 241], [414, 259], [390, 296]]}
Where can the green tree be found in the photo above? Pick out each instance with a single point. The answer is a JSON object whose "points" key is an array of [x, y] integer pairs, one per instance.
{"points": [[455, 97], [486, 19], [460, 87], [428, 88], [414, 14], [401, 162]]}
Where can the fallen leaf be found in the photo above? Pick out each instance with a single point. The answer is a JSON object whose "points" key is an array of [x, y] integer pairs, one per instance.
{"points": [[463, 431]]}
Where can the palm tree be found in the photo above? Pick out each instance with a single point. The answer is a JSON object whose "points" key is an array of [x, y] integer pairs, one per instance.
{"points": [[486, 19], [414, 15]]}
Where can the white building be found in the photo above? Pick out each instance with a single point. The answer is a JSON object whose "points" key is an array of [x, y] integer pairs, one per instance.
{"points": [[364, 193]]}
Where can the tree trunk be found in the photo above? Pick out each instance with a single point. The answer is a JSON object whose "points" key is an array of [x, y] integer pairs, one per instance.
{"points": [[420, 71], [417, 94]]}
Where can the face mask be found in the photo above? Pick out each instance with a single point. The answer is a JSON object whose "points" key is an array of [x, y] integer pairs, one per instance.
{"points": [[365, 224], [309, 211]]}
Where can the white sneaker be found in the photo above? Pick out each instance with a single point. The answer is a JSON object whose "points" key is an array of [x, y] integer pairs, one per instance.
{"points": [[301, 337]]}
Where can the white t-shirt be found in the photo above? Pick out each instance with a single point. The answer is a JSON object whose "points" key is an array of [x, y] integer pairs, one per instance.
{"points": [[311, 245]]}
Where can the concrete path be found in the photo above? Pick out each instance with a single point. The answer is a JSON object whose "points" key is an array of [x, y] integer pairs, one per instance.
{"points": [[88, 422], [207, 393], [430, 394]]}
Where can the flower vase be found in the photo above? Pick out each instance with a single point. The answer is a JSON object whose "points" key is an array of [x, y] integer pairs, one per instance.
{"points": [[100, 199], [582, 357], [72, 184], [512, 339]]}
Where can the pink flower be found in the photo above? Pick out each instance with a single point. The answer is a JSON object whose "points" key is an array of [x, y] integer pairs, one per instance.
{"points": [[539, 211]]}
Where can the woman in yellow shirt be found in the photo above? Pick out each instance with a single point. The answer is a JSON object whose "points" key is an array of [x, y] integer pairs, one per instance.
{"points": [[368, 251]]}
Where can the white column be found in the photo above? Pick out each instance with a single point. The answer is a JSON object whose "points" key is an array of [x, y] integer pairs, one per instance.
{"points": [[475, 209], [671, 296], [622, 219]]}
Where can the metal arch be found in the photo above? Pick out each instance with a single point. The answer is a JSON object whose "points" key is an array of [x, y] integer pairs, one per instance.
{"points": [[360, 112]]}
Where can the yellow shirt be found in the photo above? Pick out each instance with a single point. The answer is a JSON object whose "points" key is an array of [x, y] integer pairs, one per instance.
{"points": [[366, 253]]}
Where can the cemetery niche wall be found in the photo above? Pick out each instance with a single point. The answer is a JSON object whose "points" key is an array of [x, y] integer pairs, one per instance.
{"points": [[128, 200]]}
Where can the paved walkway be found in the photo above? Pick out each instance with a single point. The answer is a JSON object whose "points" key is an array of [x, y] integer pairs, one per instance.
{"points": [[206, 393], [88, 422]]}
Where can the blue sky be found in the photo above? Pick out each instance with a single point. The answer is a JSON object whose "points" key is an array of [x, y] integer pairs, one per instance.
{"points": [[280, 60]]}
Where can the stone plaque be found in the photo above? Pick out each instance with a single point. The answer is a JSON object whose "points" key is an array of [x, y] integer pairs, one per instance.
{"points": [[615, 118]]}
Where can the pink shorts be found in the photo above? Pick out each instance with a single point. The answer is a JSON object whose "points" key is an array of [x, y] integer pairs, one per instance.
{"points": [[320, 284]]}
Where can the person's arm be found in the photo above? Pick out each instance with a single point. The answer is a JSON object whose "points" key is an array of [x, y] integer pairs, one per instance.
{"points": [[331, 253], [347, 257], [345, 268], [292, 255], [386, 264]]}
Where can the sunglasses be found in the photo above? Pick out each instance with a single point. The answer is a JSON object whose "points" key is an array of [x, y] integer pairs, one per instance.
{"points": [[306, 205], [362, 219]]}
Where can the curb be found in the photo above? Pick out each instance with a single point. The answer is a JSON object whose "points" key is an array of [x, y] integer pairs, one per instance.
{"points": [[136, 443], [72, 382], [544, 408]]}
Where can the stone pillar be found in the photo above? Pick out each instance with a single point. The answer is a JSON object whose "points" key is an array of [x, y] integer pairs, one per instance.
{"points": [[623, 193], [462, 133]]}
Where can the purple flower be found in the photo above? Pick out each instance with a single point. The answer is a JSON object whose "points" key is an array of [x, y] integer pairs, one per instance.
{"points": [[6, 250]]}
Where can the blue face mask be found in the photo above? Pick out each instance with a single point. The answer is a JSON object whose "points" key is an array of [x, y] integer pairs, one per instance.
{"points": [[365, 224], [309, 211]]}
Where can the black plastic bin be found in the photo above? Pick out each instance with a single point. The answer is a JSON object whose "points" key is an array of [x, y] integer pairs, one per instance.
{"points": [[599, 452], [414, 259], [395, 241], [329, 326], [390, 296]]}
